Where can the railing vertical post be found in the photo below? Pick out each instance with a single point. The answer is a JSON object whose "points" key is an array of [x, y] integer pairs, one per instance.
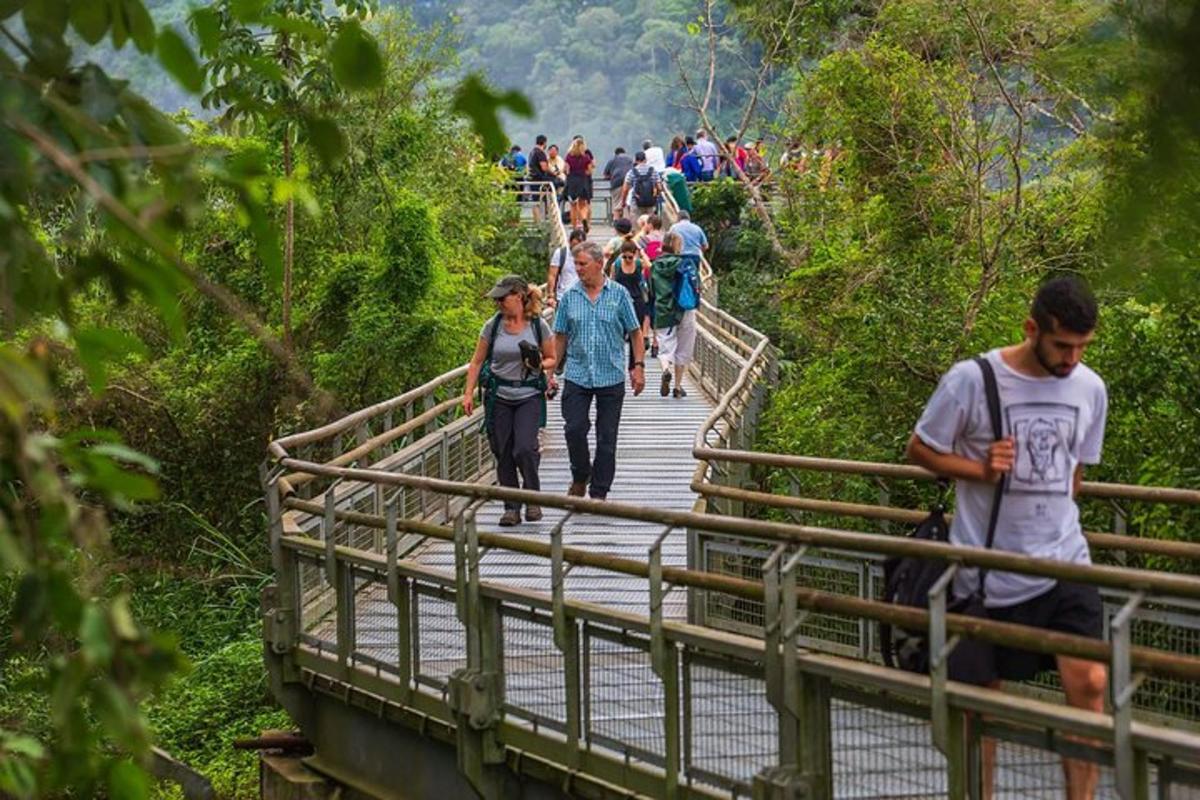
{"points": [[377, 536], [329, 534], [1131, 776], [939, 652], [460, 568], [566, 637], [400, 593], [773, 661], [344, 587], [444, 470], [664, 659]]}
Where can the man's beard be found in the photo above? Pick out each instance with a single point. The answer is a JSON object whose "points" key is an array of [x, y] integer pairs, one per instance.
{"points": [[1057, 370]]}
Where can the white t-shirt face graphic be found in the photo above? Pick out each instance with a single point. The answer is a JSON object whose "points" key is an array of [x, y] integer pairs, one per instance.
{"points": [[1047, 435], [1056, 424]]}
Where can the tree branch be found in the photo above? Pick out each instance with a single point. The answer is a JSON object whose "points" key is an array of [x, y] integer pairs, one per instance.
{"points": [[229, 302]]}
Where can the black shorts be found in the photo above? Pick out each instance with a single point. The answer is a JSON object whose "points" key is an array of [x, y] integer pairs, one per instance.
{"points": [[1067, 608], [578, 187]]}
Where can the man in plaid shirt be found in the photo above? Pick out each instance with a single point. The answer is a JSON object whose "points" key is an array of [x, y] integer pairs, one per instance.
{"points": [[593, 320]]}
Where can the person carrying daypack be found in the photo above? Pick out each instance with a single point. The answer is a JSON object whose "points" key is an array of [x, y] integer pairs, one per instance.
{"points": [[640, 193], [674, 325], [1051, 419], [512, 359]]}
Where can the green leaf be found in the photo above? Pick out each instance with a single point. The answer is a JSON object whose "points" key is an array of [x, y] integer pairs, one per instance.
{"points": [[297, 26], [10, 7], [17, 778], [90, 19], [327, 139], [141, 25], [127, 781], [45, 17], [474, 99], [176, 56], [95, 638], [98, 347], [206, 24], [122, 619], [248, 11], [21, 745], [357, 63], [126, 454]]}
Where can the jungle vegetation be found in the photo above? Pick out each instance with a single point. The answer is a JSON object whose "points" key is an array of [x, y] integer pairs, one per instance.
{"points": [[223, 222]]}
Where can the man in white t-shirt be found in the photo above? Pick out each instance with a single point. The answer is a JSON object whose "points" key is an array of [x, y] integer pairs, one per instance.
{"points": [[654, 156], [1052, 411], [562, 275]]}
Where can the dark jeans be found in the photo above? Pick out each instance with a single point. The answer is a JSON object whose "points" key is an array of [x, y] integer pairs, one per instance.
{"points": [[514, 441], [576, 410]]}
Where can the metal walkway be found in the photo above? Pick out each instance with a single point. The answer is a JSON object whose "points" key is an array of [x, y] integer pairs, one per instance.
{"points": [[396, 596]]}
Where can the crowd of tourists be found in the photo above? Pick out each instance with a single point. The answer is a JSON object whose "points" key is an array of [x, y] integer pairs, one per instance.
{"points": [[613, 303]]}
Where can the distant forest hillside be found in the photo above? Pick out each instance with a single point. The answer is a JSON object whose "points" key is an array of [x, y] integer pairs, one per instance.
{"points": [[609, 71]]}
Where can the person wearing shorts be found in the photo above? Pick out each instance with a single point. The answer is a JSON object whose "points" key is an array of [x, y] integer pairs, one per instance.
{"points": [[674, 328], [1053, 410]]}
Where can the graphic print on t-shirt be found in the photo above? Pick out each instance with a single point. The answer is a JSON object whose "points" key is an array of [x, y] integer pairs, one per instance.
{"points": [[1044, 435]]}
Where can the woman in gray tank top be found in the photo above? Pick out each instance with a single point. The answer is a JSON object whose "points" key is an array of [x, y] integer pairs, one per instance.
{"points": [[513, 363]]}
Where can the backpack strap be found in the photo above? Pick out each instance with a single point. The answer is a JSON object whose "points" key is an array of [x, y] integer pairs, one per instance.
{"points": [[562, 259], [992, 391], [492, 335]]}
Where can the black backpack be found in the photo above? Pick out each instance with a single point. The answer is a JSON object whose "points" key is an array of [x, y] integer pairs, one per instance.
{"points": [[908, 579], [643, 188]]}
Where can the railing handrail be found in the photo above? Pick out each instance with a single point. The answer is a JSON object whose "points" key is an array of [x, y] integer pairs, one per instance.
{"points": [[1122, 491], [1127, 578]]}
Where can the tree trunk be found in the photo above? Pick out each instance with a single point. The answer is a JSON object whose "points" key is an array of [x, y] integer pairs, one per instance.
{"points": [[288, 239]]}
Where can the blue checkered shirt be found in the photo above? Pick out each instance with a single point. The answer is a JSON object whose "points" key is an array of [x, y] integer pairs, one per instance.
{"points": [[596, 334]]}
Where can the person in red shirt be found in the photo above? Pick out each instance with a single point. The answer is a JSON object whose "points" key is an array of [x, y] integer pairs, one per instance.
{"points": [[739, 157], [579, 186]]}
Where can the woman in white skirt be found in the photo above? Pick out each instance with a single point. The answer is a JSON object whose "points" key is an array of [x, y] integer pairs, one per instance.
{"points": [[675, 328]]}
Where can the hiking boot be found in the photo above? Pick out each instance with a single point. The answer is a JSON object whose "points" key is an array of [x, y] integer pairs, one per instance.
{"points": [[510, 517], [577, 489], [533, 513], [665, 388], [679, 392]]}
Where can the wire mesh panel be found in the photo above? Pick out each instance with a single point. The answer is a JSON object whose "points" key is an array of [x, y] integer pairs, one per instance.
{"points": [[441, 641], [724, 557], [318, 604], [1023, 771], [623, 696], [376, 626], [534, 674], [833, 633], [731, 731], [878, 753]]}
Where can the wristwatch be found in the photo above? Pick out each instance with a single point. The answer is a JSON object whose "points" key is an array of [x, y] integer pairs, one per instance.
{"points": [[641, 364]]}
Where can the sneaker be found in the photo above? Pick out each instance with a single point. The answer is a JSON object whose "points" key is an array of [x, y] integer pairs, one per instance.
{"points": [[577, 489], [665, 388], [533, 513], [654, 350], [510, 518], [679, 392]]}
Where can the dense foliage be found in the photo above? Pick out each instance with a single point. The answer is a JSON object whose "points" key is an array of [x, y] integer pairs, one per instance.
{"points": [[143, 369], [983, 148]]}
